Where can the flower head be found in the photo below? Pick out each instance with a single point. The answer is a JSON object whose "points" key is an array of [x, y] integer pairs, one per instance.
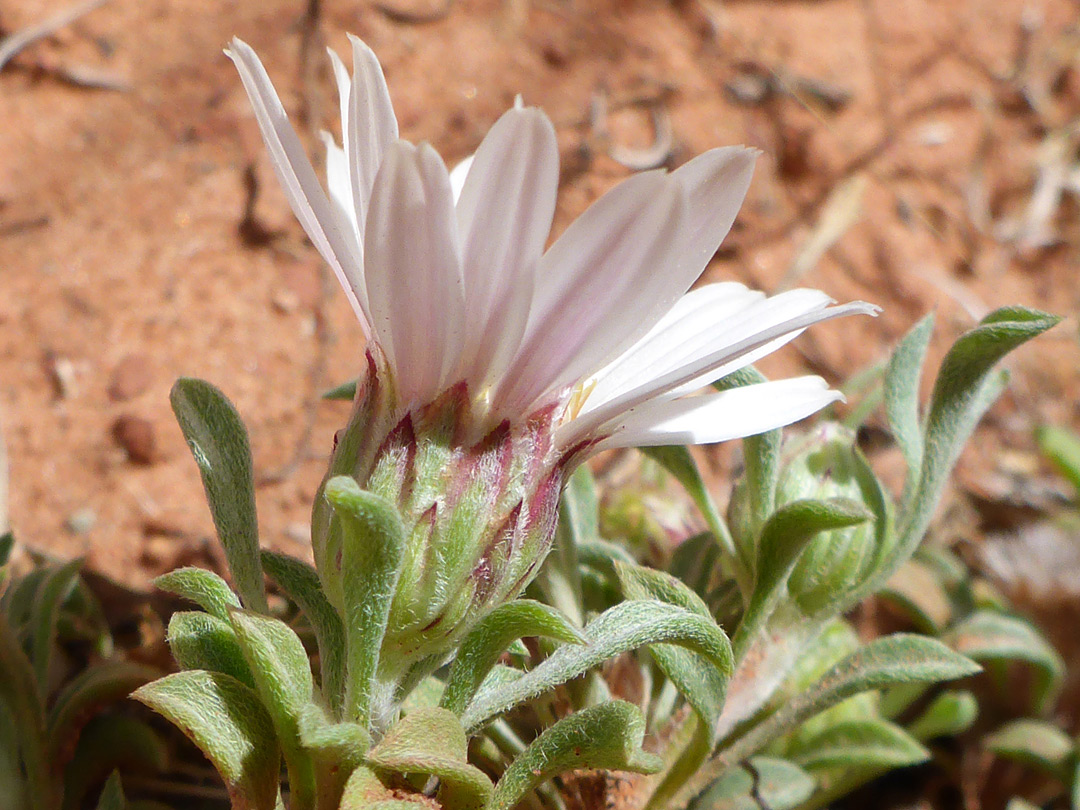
{"points": [[494, 365]]}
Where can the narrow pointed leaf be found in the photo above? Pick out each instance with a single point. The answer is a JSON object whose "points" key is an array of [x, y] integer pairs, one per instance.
{"points": [[896, 659], [96, 687], [624, 627], [869, 743], [372, 549], [950, 713], [432, 741], [761, 453], [607, 736], [54, 588], [205, 588], [107, 743], [229, 725], [219, 443], [112, 795], [283, 683], [20, 693], [345, 391], [1062, 448], [486, 642], [783, 539], [902, 376], [964, 389], [1034, 742], [989, 636], [201, 641], [300, 583]]}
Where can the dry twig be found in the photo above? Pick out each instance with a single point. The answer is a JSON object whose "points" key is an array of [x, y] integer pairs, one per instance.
{"points": [[16, 42]]}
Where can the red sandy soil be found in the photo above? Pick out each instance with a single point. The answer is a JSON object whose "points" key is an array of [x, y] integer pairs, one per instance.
{"points": [[126, 259]]}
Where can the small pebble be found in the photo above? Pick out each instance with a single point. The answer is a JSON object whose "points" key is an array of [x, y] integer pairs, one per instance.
{"points": [[81, 521], [136, 436], [131, 377]]}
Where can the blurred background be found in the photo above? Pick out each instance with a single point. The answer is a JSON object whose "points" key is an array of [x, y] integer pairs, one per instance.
{"points": [[919, 154]]}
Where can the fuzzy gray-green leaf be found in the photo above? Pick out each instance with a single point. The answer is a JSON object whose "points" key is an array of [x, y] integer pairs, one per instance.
{"points": [[300, 583], [783, 539], [52, 590], [201, 641], [432, 741], [624, 627], [227, 722], [205, 588], [902, 395], [95, 687], [951, 712], [112, 795], [964, 389], [489, 639], [219, 443], [372, 548], [606, 736], [1034, 742], [989, 636], [870, 743]]}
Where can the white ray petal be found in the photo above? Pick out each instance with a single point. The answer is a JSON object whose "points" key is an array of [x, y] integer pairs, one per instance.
{"points": [[716, 183], [724, 358], [370, 126], [414, 272], [722, 416], [705, 310], [596, 287], [309, 202], [504, 216], [458, 175]]}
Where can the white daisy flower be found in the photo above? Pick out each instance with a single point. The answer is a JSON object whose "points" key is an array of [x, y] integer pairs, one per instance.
{"points": [[494, 365]]}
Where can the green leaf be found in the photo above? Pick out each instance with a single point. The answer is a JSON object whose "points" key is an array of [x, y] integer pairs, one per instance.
{"points": [[112, 797], [902, 395], [225, 719], [372, 549], [345, 391], [989, 636], [783, 539], [1062, 448], [761, 453], [695, 561], [107, 743], [20, 693], [54, 588], [678, 461], [884, 662], [219, 443], [336, 750], [364, 790], [205, 588], [283, 682], [623, 627], [7, 543], [560, 578], [868, 744], [761, 782], [94, 688], [1034, 742], [699, 681], [964, 389], [488, 640], [950, 713], [300, 583], [917, 589], [432, 741], [607, 736], [201, 641]]}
